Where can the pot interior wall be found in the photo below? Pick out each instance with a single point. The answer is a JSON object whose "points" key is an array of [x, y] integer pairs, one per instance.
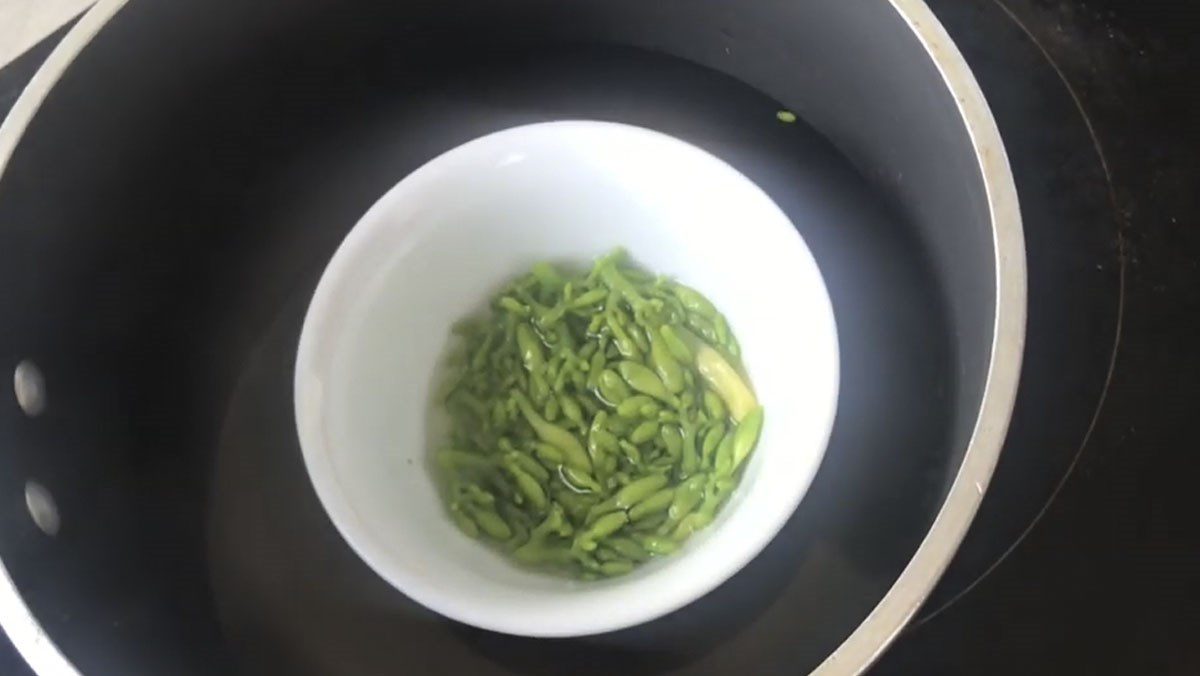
{"points": [[171, 207]]}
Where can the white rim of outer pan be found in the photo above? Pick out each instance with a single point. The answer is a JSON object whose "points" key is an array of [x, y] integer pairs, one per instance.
{"points": [[915, 583]]}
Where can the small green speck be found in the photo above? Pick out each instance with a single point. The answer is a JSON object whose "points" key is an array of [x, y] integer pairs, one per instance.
{"points": [[785, 116]]}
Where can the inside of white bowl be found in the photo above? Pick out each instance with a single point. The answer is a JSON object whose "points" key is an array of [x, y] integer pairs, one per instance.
{"points": [[440, 243]]}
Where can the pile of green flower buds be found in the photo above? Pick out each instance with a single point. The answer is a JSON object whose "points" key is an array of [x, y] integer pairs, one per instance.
{"points": [[598, 418]]}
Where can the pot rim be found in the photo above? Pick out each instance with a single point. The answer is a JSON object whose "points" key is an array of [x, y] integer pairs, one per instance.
{"points": [[925, 568]]}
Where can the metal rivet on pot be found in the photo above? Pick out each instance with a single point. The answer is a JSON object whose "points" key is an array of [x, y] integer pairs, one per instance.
{"points": [[42, 508], [30, 388]]}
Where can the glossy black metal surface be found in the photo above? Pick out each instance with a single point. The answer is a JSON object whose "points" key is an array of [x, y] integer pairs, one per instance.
{"points": [[174, 233], [1101, 583]]}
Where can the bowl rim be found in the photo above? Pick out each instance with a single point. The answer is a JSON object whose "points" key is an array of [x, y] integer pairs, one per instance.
{"points": [[641, 599], [868, 641]]}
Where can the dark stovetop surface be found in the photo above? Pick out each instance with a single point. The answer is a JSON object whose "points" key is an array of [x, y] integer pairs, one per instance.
{"points": [[1103, 583], [1084, 558]]}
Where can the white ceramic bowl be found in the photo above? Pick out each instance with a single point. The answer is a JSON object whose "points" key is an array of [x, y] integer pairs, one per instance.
{"points": [[441, 242]]}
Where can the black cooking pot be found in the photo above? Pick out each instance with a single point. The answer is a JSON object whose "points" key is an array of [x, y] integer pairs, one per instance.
{"points": [[177, 175]]}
